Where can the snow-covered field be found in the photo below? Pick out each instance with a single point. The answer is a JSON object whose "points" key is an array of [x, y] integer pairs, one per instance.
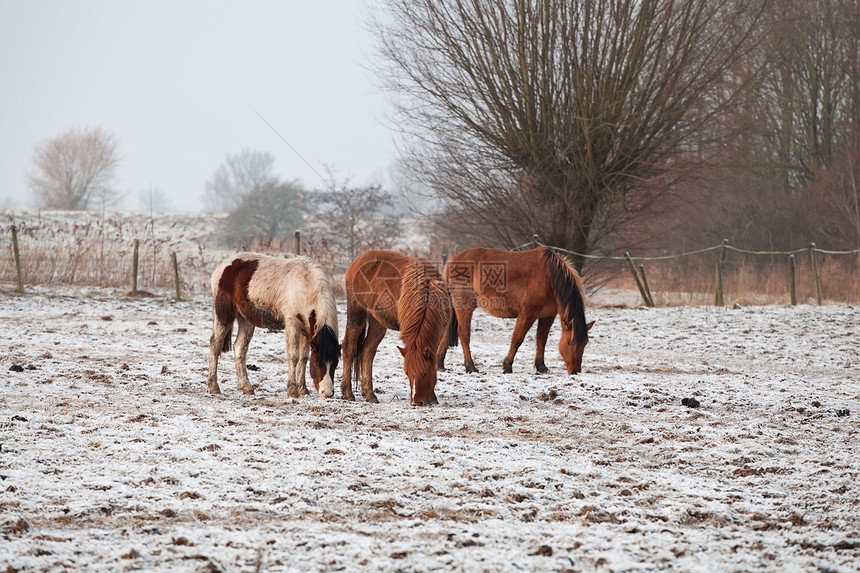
{"points": [[113, 457]]}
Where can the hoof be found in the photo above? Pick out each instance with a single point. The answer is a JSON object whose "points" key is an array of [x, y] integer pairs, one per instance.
{"points": [[247, 389], [541, 368], [303, 392], [371, 398], [508, 367], [214, 389], [348, 397], [470, 368]]}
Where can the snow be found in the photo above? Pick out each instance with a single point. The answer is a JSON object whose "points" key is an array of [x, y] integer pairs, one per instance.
{"points": [[114, 457]]}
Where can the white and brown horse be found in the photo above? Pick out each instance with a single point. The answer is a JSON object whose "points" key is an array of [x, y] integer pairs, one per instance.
{"points": [[293, 295]]}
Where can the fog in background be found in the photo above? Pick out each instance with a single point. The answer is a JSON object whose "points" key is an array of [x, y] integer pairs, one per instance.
{"points": [[181, 84]]}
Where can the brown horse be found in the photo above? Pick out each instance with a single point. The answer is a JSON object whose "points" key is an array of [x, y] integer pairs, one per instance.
{"points": [[527, 285], [386, 290]]}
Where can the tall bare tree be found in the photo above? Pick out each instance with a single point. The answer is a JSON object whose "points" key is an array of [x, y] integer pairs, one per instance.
{"points": [[240, 175], [76, 170], [546, 115]]}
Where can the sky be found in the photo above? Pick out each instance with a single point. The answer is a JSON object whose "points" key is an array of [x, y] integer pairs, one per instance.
{"points": [[181, 84]]}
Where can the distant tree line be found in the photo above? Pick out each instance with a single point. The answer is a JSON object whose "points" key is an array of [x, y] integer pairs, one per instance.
{"points": [[597, 124]]}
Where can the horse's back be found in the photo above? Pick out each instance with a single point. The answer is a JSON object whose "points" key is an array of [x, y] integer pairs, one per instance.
{"points": [[274, 287], [504, 282]]}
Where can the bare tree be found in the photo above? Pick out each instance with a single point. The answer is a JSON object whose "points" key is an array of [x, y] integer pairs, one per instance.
{"points": [[240, 175], [355, 218], [76, 170], [153, 199], [547, 115], [270, 210]]}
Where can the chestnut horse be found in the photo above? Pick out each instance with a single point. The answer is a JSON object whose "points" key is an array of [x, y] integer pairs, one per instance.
{"points": [[527, 285], [386, 290], [293, 295]]}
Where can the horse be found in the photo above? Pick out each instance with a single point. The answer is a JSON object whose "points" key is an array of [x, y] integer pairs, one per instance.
{"points": [[527, 285], [389, 290], [293, 295]]}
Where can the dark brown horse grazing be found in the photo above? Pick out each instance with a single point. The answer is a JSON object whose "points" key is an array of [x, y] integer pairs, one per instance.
{"points": [[386, 290], [527, 285]]}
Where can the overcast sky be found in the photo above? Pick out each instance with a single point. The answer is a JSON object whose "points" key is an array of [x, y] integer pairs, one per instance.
{"points": [[180, 83]]}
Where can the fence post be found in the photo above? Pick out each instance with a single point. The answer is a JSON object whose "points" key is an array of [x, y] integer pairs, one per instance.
{"points": [[719, 300], [793, 292], [298, 236], [134, 267], [718, 293], [632, 268], [444, 256], [17, 258], [645, 286], [176, 273], [535, 241], [815, 273]]}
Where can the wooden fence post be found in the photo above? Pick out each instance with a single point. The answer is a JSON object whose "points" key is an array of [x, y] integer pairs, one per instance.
{"points": [[815, 273], [444, 256], [793, 292], [17, 258], [645, 285], [134, 267], [632, 268], [719, 300], [176, 273], [298, 236]]}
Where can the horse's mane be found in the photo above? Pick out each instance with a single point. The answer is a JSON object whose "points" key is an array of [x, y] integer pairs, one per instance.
{"points": [[323, 297], [423, 299], [568, 291]]}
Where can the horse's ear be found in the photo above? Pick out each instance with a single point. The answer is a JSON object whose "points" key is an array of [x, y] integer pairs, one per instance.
{"points": [[402, 351], [589, 325], [428, 353], [305, 332], [312, 321]]}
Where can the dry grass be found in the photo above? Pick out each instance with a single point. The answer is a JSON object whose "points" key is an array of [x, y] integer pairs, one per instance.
{"points": [[749, 280]]}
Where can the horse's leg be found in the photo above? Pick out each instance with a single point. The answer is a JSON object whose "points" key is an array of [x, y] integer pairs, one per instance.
{"points": [[375, 334], [464, 331], [216, 343], [544, 324], [292, 337], [304, 350], [524, 323], [240, 353], [356, 320]]}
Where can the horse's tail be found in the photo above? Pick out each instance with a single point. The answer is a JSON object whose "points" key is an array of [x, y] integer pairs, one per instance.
{"points": [[359, 351], [228, 340], [225, 314], [453, 326]]}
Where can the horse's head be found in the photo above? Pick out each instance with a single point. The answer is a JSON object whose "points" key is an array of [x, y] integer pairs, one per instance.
{"points": [[420, 367], [324, 356], [571, 347]]}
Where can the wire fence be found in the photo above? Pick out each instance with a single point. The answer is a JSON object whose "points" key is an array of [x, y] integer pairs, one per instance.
{"points": [[171, 255], [796, 274]]}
